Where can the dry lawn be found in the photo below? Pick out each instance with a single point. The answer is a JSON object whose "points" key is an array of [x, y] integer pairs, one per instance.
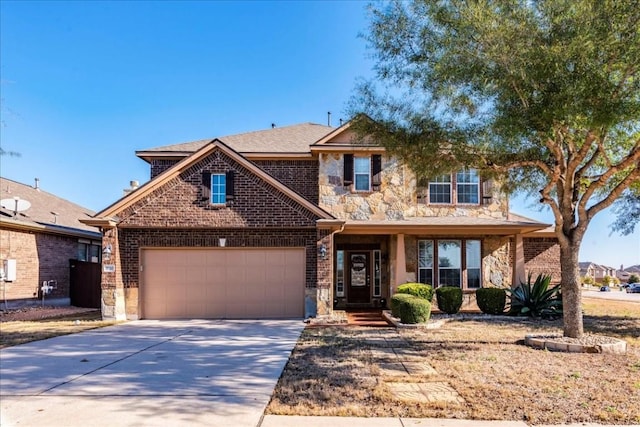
{"points": [[337, 371], [38, 324]]}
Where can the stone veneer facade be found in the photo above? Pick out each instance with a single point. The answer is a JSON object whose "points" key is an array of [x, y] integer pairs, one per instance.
{"points": [[397, 198]]}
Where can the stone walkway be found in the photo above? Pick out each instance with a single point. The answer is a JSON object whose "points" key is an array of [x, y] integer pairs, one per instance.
{"points": [[400, 366]]}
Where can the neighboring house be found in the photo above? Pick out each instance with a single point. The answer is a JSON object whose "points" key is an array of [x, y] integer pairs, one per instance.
{"points": [[38, 240], [624, 273], [297, 220], [596, 271]]}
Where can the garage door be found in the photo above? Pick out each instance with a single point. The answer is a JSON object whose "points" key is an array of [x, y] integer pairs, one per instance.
{"points": [[222, 283]]}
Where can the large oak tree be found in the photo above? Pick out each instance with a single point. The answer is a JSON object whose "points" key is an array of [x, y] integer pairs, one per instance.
{"points": [[544, 94]]}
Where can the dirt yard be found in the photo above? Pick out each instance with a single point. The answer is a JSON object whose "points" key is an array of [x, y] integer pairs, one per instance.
{"points": [[352, 371], [37, 323]]}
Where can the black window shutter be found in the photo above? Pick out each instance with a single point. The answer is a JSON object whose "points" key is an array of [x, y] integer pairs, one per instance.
{"points": [[206, 185], [230, 190], [348, 170], [376, 168]]}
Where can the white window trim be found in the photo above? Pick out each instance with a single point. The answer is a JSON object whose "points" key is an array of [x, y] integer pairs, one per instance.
{"points": [[355, 174], [468, 184], [450, 183], [215, 187]]}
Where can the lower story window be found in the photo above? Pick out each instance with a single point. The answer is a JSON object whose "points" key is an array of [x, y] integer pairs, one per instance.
{"points": [[458, 263], [88, 251], [377, 275], [340, 273]]}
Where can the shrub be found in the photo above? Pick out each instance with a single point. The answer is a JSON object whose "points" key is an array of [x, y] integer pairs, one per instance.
{"points": [[491, 300], [536, 299], [588, 280], [410, 308], [607, 280], [634, 278], [449, 299], [396, 300], [417, 289]]}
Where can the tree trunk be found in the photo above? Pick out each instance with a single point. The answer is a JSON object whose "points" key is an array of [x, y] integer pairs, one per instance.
{"points": [[571, 290]]}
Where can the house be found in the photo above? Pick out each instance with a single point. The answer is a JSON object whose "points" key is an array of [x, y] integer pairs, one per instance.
{"points": [[596, 271], [39, 234], [296, 221], [624, 274]]}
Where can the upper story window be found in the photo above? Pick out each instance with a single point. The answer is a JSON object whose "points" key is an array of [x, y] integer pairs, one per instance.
{"points": [[218, 188], [461, 188], [363, 173], [468, 186], [440, 189]]}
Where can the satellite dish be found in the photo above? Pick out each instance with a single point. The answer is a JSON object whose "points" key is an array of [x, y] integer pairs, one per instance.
{"points": [[16, 204]]}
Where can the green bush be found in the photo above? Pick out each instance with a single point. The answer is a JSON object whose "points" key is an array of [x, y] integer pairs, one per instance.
{"points": [[588, 280], [491, 300], [396, 300], [634, 278], [417, 289], [536, 299], [607, 280], [410, 308], [449, 299]]}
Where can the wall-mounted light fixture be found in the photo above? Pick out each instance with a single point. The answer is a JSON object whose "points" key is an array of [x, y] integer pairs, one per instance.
{"points": [[323, 251], [222, 242], [106, 252]]}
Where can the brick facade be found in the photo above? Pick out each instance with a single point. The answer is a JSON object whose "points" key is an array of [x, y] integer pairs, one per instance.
{"points": [[175, 215], [39, 257], [299, 175], [159, 166], [180, 202], [542, 256]]}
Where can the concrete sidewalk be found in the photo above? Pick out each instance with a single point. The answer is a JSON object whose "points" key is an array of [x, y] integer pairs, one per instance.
{"points": [[296, 421]]}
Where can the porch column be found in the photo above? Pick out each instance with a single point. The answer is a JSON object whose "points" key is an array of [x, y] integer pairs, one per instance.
{"points": [[401, 262], [518, 261]]}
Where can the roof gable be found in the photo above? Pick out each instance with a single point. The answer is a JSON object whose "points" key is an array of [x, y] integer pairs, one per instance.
{"points": [[148, 188], [46, 211]]}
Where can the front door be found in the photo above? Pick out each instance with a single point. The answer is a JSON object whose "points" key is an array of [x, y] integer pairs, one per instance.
{"points": [[359, 272]]}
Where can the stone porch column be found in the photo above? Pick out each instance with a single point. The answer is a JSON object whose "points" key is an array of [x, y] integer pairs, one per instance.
{"points": [[518, 261]]}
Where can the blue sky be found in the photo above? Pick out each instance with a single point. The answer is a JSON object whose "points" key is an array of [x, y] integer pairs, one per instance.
{"points": [[85, 84]]}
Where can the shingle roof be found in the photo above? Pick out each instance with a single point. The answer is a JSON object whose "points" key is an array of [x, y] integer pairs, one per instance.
{"points": [[46, 209], [286, 139]]}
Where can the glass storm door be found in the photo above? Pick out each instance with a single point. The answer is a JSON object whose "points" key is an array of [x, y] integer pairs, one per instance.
{"points": [[359, 274]]}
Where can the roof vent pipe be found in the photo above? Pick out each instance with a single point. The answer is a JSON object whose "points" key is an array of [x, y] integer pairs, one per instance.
{"points": [[273, 125], [328, 118], [37, 185]]}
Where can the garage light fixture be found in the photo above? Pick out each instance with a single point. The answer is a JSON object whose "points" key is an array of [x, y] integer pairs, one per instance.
{"points": [[222, 242], [106, 252]]}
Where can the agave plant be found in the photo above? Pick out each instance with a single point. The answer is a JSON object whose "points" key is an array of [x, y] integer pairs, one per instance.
{"points": [[536, 299]]}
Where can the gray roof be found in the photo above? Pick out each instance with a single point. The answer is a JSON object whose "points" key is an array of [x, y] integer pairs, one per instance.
{"points": [[286, 139], [46, 210]]}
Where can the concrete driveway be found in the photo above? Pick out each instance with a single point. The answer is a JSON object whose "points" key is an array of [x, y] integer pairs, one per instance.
{"points": [[148, 373]]}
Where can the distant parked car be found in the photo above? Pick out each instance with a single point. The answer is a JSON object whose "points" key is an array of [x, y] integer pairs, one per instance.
{"points": [[633, 288], [604, 289]]}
